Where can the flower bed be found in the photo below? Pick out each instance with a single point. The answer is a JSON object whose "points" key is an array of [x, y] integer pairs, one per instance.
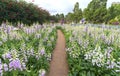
{"points": [[93, 51], [26, 51]]}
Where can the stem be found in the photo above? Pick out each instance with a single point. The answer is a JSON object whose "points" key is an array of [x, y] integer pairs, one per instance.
{"points": [[15, 73]]}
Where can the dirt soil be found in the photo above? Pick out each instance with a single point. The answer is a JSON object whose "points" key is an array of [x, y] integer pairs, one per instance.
{"points": [[58, 64]]}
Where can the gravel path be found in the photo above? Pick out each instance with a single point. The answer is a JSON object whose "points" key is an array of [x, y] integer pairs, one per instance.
{"points": [[58, 65]]}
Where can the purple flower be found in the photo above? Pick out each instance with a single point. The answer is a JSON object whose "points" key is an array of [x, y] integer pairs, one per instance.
{"points": [[42, 52], [111, 64], [8, 30], [86, 29], [109, 50], [42, 72], [15, 64], [5, 67], [103, 37], [6, 55]]}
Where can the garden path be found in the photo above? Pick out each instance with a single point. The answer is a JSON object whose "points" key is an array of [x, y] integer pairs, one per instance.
{"points": [[58, 64]]}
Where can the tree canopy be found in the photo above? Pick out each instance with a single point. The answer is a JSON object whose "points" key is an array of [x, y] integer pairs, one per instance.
{"points": [[77, 14], [96, 11], [15, 11]]}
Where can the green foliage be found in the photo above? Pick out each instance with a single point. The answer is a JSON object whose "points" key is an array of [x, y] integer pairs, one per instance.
{"points": [[22, 12], [114, 11], [118, 17], [57, 17], [76, 16], [69, 17], [77, 13], [82, 42], [96, 11], [27, 48]]}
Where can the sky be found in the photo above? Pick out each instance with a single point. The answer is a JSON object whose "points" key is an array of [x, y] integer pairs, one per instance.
{"points": [[63, 6]]}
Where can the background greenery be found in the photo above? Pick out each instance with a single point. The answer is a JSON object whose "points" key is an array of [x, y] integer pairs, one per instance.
{"points": [[15, 12]]}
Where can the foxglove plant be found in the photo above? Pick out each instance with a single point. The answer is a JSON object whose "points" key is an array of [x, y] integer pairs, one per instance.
{"points": [[95, 56], [15, 64], [41, 52], [7, 55], [41, 72], [5, 67]]}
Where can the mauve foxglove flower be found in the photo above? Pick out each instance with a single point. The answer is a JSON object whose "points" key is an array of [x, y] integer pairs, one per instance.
{"points": [[15, 64], [8, 55], [108, 52], [112, 64], [8, 30], [42, 72], [42, 52], [86, 29], [5, 67], [103, 37]]}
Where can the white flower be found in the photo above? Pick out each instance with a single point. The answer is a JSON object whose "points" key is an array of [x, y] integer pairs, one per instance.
{"points": [[42, 72], [117, 70]]}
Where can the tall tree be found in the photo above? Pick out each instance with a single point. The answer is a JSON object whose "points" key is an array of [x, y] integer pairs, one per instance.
{"points": [[77, 13], [96, 11], [20, 11], [114, 11], [69, 17]]}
